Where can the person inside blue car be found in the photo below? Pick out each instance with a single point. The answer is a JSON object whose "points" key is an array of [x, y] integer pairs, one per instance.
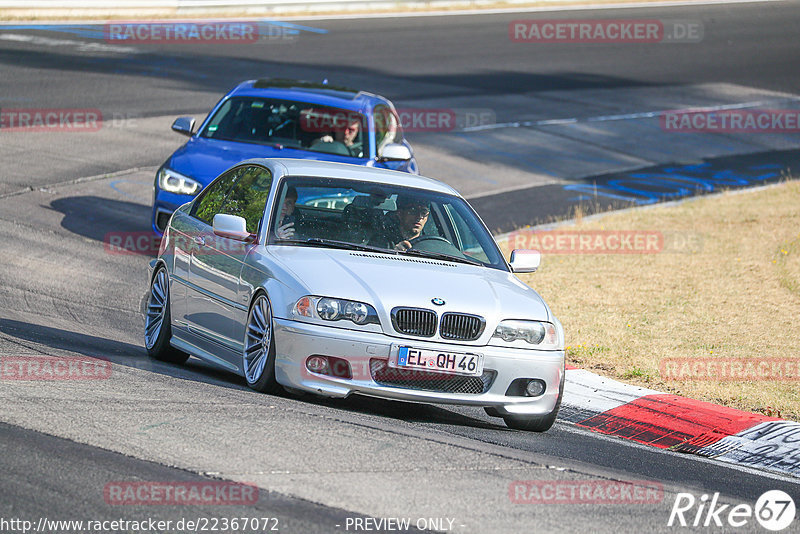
{"points": [[347, 134]]}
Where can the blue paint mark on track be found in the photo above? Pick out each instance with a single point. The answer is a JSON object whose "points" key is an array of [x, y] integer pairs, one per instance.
{"points": [[510, 210], [674, 182], [138, 199]]}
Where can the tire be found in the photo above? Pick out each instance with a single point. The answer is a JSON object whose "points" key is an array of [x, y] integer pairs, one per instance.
{"points": [[537, 423], [157, 321], [258, 357]]}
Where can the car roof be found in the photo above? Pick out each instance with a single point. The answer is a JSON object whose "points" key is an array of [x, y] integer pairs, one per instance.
{"points": [[313, 92], [346, 171]]}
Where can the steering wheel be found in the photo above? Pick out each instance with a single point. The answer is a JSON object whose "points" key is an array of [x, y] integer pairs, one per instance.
{"points": [[331, 147], [421, 239], [356, 149], [436, 244]]}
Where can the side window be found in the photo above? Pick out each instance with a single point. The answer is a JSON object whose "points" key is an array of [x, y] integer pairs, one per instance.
{"points": [[387, 127], [210, 201], [466, 238], [248, 197]]}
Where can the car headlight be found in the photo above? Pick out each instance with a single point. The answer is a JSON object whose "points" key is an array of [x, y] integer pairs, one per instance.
{"points": [[174, 182], [540, 334], [330, 309]]}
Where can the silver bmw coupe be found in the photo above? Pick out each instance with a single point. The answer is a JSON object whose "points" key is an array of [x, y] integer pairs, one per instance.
{"points": [[336, 279]]}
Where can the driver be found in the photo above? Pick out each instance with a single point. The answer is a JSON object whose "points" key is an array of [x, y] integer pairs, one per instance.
{"points": [[403, 225], [347, 134]]}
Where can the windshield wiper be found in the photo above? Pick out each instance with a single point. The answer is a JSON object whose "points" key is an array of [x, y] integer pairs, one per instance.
{"points": [[346, 245], [442, 256], [333, 243]]}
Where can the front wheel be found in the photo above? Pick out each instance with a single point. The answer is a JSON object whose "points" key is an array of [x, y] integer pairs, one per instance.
{"points": [[536, 423], [157, 322], [258, 360]]}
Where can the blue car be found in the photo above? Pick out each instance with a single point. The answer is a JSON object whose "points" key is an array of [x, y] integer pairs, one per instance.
{"points": [[286, 119]]}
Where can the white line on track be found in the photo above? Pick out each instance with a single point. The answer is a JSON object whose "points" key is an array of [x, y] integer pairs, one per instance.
{"points": [[82, 46], [454, 12], [538, 9], [627, 116]]}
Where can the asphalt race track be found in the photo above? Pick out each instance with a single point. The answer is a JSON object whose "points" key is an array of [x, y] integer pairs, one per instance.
{"points": [[324, 465]]}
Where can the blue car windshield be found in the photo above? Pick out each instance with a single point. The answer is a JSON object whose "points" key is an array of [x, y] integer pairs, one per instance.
{"points": [[382, 218], [290, 124]]}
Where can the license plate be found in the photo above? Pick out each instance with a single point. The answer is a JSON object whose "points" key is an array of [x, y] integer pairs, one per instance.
{"points": [[438, 361]]}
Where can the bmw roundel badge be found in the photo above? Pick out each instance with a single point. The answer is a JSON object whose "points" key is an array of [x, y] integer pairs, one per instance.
{"points": [[438, 301]]}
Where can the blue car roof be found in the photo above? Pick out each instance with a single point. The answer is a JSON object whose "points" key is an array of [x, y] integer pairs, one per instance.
{"points": [[313, 92]]}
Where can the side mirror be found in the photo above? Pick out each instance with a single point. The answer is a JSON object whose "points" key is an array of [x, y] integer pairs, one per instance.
{"points": [[231, 226], [525, 261], [183, 125], [395, 152]]}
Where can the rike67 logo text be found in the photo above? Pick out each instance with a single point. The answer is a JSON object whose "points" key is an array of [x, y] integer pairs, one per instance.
{"points": [[774, 510]]}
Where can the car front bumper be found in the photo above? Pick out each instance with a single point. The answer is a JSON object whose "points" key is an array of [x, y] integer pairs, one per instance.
{"points": [[164, 204], [296, 341]]}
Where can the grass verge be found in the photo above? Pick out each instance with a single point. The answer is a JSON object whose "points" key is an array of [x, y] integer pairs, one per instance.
{"points": [[724, 284]]}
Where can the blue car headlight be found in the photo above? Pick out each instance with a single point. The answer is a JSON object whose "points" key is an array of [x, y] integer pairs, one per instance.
{"points": [[174, 182]]}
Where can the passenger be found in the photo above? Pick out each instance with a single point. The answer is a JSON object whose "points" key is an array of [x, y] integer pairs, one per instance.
{"points": [[285, 229], [404, 224]]}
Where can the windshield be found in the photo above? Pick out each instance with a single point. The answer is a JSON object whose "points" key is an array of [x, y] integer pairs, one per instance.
{"points": [[334, 213], [290, 124]]}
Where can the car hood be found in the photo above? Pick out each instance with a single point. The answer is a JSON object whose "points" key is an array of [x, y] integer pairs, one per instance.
{"points": [[387, 281], [204, 159]]}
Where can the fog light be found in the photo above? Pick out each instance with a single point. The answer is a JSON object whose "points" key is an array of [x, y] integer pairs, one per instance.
{"points": [[339, 368], [534, 388], [317, 364]]}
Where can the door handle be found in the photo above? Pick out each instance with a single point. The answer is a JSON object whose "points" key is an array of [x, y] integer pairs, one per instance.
{"points": [[200, 241]]}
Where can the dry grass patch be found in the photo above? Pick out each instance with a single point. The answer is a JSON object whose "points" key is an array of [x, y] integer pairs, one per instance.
{"points": [[726, 285]]}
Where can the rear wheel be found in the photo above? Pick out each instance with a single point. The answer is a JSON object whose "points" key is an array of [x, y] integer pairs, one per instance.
{"points": [[157, 325], [258, 359], [536, 423]]}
